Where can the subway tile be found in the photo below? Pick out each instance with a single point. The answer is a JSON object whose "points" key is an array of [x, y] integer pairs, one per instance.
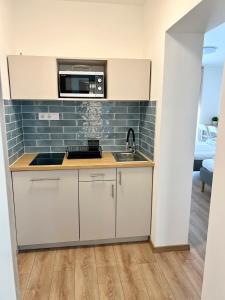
{"points": [[47, 102], [29, 129], [12, 109], [114, 148], [16, 132], [79, 120], [114, 122], [134, 110], [69, 129], [113, 110], [71, 103], [71, 116], [34, 108], [50, 129], [61, 109], [7, 118], [63, 136], [18, 147], [13, 158], [29, 116], [132, 123], [121, 142], [11, 143], [10, 127], [126, 103], [9, 135], [127, 116], [32, 123], [15, 117], [108, 116], [114, 135], [58, 149], [37, 149], [90, 123], [74, 142], [35, 136], [49, 142], [63, 123], [30, 143]]}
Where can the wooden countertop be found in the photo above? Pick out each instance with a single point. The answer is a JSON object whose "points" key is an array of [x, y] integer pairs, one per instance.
{"points": [[107, 161]]}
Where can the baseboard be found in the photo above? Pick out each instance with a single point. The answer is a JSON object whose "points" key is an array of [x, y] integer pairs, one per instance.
{"points": [[169, 248], [84, 243]]}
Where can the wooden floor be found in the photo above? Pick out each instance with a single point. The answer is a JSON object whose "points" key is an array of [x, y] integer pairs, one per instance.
{"points": [[128, 271]]}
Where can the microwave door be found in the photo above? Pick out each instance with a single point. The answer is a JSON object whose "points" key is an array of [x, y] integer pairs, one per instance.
{"points": [[77, 85]]}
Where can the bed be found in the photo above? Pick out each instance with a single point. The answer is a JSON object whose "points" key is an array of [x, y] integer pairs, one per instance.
{"points": [[206, 172], [204, 150]]}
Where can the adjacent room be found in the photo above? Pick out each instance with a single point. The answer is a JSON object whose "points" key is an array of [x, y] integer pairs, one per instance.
{"points": [[206, 135]]}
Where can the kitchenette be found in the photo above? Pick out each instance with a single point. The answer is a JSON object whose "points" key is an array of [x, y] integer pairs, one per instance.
{"points": [[80, 145]]}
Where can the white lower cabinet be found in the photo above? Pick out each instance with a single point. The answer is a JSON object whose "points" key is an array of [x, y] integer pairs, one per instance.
{"points": [[134, 188], [97, 202], [46, 206]]}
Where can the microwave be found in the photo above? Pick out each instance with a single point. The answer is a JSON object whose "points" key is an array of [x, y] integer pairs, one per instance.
{"points": [[81, 84]]}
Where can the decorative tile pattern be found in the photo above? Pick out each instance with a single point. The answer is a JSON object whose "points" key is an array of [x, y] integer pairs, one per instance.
{"points": [[14, 130], [79, 121]]}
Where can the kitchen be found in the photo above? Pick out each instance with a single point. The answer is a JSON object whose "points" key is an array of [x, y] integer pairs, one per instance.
{"points": [[63, 204], [79, 129]]}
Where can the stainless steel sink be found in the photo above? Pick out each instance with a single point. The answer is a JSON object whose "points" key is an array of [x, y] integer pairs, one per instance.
{"points": [[128, 156]]}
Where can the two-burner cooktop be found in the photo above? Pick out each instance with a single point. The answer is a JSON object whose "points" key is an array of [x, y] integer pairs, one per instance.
{"points": [[45, 159]]}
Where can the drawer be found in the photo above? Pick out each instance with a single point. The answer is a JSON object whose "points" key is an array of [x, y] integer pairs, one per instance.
{"points": [[97, 174]]}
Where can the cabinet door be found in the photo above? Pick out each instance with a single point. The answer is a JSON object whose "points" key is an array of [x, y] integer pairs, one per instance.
{"points": [[134, 189], [128, 79], [46, 206], [97, 200], [33, 77]]}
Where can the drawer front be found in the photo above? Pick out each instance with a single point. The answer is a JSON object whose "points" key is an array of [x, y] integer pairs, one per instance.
{"points": [[97, 174]]}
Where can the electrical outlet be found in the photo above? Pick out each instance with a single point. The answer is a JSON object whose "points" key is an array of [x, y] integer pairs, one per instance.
{"points": [[48, 116]]}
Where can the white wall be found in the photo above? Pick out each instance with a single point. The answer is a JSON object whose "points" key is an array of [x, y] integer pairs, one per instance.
{"points": [[76, 29], [167, 225], [211, 93], [173, 180], [5, 42], [159, 16], [8, 271], [214, 274]]}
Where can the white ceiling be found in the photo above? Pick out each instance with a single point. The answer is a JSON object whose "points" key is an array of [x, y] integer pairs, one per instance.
{"points": [[215, 38], [137, 2]]}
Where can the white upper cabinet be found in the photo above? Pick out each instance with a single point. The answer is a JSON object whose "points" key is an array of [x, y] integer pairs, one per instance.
{"points": [[33, 77], [134, 189], [128, 79]]}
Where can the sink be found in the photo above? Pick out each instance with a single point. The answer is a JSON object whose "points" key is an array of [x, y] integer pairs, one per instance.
{"points": [[128, 156]]}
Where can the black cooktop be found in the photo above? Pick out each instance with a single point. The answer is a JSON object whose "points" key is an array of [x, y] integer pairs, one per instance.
{"points": [[45, 159]]}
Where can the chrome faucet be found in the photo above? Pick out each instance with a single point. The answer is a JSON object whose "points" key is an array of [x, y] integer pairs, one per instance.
{"points": [[130, 147]]}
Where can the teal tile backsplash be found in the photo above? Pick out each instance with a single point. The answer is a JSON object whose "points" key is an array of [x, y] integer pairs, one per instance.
{"points": [[78, 121]]}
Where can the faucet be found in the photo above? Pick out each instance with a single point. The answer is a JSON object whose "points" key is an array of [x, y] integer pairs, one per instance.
{"points": [[133, 146]]}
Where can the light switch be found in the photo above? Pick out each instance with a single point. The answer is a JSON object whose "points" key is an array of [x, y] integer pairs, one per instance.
{"points": [[48, 116]]}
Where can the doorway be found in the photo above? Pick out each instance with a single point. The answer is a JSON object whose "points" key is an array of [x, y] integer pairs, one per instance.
{"points": [[206, 136]]}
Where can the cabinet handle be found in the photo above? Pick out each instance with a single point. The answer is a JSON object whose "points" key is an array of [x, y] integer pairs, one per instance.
{"points": [[120, 177], [97, 174], [45, 179], [113, 191]]}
